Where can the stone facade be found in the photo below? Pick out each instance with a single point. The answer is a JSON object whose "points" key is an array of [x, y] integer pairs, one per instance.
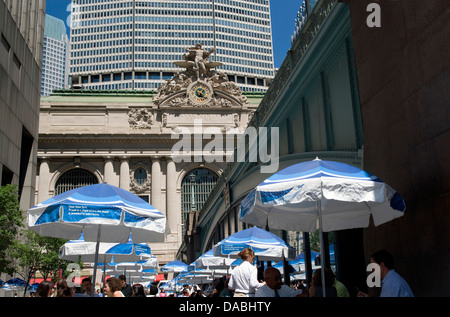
{"points": [[403, 79], [22, 32], [113, 135]]}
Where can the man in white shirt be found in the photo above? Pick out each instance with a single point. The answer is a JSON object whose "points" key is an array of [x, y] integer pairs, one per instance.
{"points": [[274, 287]]}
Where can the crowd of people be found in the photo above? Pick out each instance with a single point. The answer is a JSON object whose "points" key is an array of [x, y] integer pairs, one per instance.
{"points": [[243, 282]]}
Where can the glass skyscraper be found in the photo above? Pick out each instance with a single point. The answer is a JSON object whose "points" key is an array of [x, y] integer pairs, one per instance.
{"points": [[132, 44], [55, 70]]}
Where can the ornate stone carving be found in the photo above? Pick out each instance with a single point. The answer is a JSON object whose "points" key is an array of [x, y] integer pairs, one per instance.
{"points": [[134, 185], [140, 118], [199, 85]]}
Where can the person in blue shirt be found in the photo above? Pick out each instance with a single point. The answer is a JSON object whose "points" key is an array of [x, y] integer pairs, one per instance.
{"points": [[392, 284]]}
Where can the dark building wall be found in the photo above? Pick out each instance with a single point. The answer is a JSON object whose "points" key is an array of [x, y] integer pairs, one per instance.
{"points": [[404, 86]]}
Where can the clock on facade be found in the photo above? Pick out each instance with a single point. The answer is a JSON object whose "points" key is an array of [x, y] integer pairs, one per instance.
{"points": [[200, 93]]}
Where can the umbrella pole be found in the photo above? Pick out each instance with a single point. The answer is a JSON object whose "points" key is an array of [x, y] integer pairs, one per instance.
{"points": [[97, 246], [322, 258], [104, 271], [286, 271]]}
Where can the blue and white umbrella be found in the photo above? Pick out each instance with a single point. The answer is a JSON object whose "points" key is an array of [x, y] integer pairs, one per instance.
{"points": [[322, 195], [266, 245], [280, 266], [104, 213], [209, 260], [148, 263], [175, 267], [15, 282], [194, 277], [75, 250], [84, 209], [299, 263]]}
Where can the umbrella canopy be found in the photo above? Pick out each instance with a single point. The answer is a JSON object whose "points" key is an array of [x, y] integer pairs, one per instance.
{"points": [[338, 195], [104, 213], [175, 266], [74, 250], [211, 261], [128, 266], [194, 278], [299, 263], [150, 272], [266, 245], [150, 263], [83, 209], [301, 256], [322, 195], [280, 266], [15, 282]]}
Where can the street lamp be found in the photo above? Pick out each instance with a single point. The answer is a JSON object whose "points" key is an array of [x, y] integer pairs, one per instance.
{"points": [[192, 178]]}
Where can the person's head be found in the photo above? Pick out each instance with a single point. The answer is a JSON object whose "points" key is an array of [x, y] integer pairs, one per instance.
{"points": [[123, 280], [44, 289], [317, 278], [385, 260], [86, 283], [112, 285], [220, 286], [247, 254], [137, 290], [199, 293], [62, 289], [153, 289], [272, 277]]}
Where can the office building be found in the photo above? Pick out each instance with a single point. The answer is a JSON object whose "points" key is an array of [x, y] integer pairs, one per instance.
{"points": [[55, 60], [21, 36], [22, 31], [117, 44], [55, 63]]}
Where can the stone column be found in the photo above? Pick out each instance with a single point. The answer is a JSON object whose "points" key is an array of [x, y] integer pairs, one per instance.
{"points": [[124, 180], [108, 175], [44, 179], [171, 196], [156, 183]]}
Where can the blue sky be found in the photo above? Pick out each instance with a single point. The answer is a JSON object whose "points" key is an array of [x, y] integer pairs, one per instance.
{"points": [[283, 15]]}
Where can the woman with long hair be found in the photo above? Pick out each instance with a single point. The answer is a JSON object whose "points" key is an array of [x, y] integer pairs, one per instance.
{"points": [[44, 289], [244, 279], [62, 289], [137, 290], [113, 287]]}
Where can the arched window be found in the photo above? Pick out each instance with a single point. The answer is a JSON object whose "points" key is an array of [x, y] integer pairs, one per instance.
{"points": [[195, 190], [140, 176], [74, 178]]}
